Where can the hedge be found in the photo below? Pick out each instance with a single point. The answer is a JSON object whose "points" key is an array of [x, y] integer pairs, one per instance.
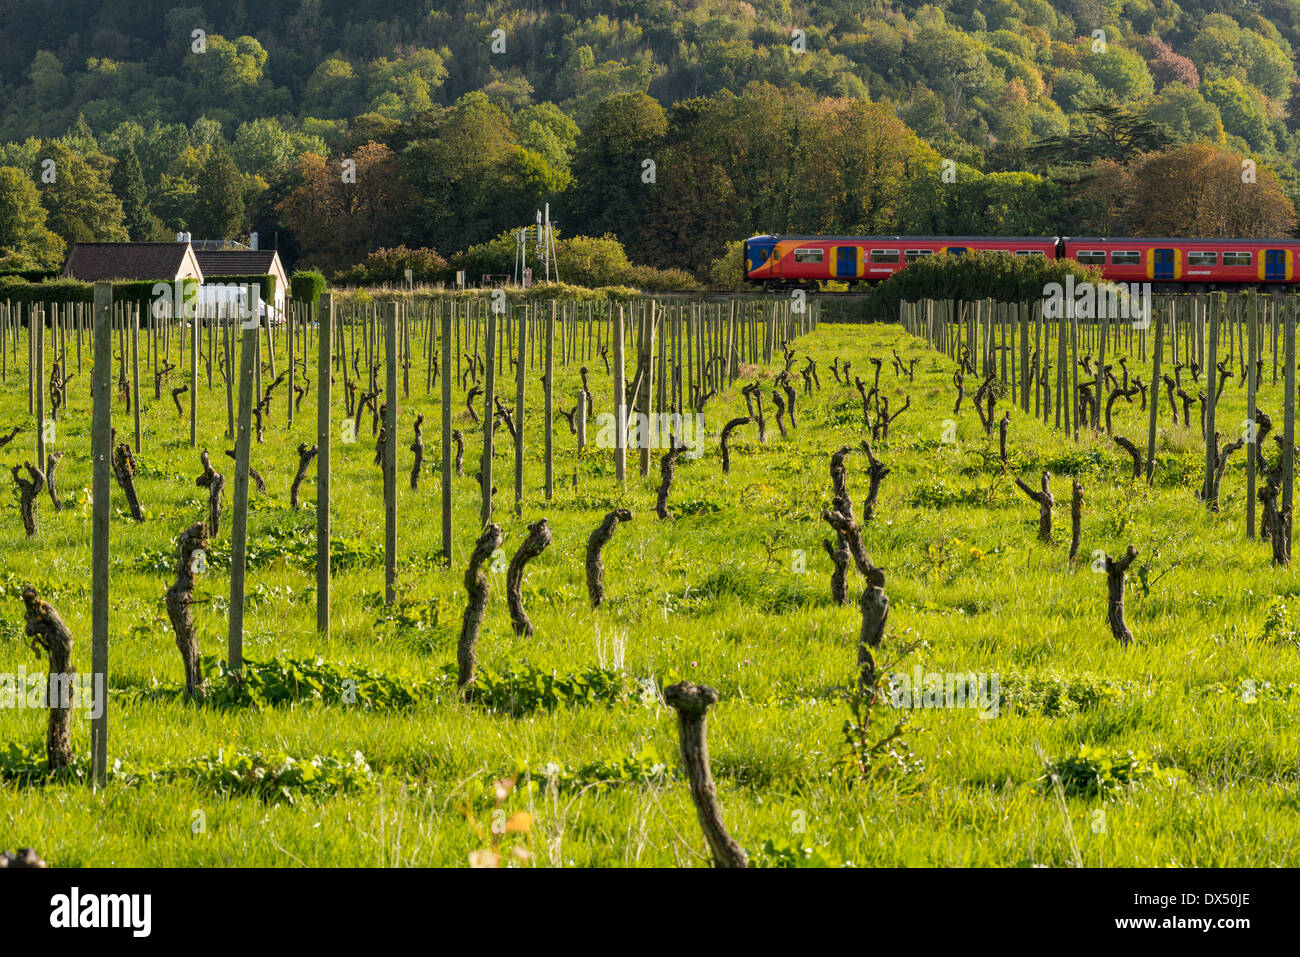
{"points": [[306, 285]]}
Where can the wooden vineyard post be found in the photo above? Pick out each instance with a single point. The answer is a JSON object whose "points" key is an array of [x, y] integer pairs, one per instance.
{"points": [[135, 370], [620, 402], [645, 367], [390, 454], [228, 346], [582, 419], [548, 422], [250, 333], [1211, 378], [101, 442], [1099, 390], [1288, 427], [445, 348], [38, 330], [1252, 439], [293, 373], [489, 395], [1074, 367], [520, 395], [193, 315], [325, 339], [1154, 390]]}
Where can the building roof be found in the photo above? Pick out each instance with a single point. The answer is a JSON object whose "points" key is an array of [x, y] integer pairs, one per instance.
{"points": [[238, 262], [97, 262]]}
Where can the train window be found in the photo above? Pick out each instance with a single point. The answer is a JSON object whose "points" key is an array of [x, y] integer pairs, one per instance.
{"points": [[1236, 259], [912, 255], [1126, 258], [809, 255], [1027, 252], [1198, 257], [884, 255], [1092, 257]]}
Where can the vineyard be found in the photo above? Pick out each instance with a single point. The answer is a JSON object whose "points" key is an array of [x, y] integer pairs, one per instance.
{"points": [[971, 589]]}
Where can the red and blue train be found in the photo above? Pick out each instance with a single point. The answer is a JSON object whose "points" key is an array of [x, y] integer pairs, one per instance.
{"points": [[780, 263]]}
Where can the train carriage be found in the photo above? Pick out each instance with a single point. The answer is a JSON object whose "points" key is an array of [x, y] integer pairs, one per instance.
{"points": [[800, 262], [1194, 265]]}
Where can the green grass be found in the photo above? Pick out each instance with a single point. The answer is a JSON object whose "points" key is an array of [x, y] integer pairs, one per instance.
{"points": [[714, 596]]}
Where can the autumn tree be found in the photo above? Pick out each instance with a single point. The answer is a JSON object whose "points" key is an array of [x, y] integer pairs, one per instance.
{"points": [[1200, 190], [339, 212]]}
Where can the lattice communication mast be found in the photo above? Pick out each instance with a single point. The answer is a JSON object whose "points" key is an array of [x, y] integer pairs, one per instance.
{"points": [[541, 237]]}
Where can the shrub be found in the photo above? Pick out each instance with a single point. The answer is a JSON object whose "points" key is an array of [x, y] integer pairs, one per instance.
{"points": [[306, 285]]}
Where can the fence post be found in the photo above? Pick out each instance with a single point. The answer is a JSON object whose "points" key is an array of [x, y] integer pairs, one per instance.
{"points": [[250, 332], [489, 394], [390, 454], [101, 451], [446, 316], [549, 413], [325, 338], [620, 402]]}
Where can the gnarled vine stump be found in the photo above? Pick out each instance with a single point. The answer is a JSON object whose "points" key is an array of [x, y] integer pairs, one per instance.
{"points": [[460, 451], [1045, 502], [180, 596], [51, 466], [1116, 576], [595, 544], [539, 537], [417, 447], [726, 439], [476, 588], [50, 635], [215, 483], [692, 703], [667, 468], [305, 455], [29, 489]]}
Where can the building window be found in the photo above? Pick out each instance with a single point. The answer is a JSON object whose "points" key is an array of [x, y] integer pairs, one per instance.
{"points": [[1092, 257], [1199, 258], [1236, 259], [912, 255], [809, 255], [1126, 258], [884, 255]]}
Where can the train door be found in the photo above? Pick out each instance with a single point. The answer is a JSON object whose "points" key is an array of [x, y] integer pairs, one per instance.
{"points": [[956, 250], [1163, 264], [846, 262], [1275, 264]]}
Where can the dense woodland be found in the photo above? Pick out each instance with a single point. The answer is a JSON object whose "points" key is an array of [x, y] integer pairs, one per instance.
{"points": [[118, 120]]}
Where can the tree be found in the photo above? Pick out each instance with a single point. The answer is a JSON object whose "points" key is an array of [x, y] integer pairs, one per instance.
{"points": [[1198, 190], [80, 203], [26, 241], [1111, 132], [338, 220], [219, 197], [610, 168], [127, 181]]}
